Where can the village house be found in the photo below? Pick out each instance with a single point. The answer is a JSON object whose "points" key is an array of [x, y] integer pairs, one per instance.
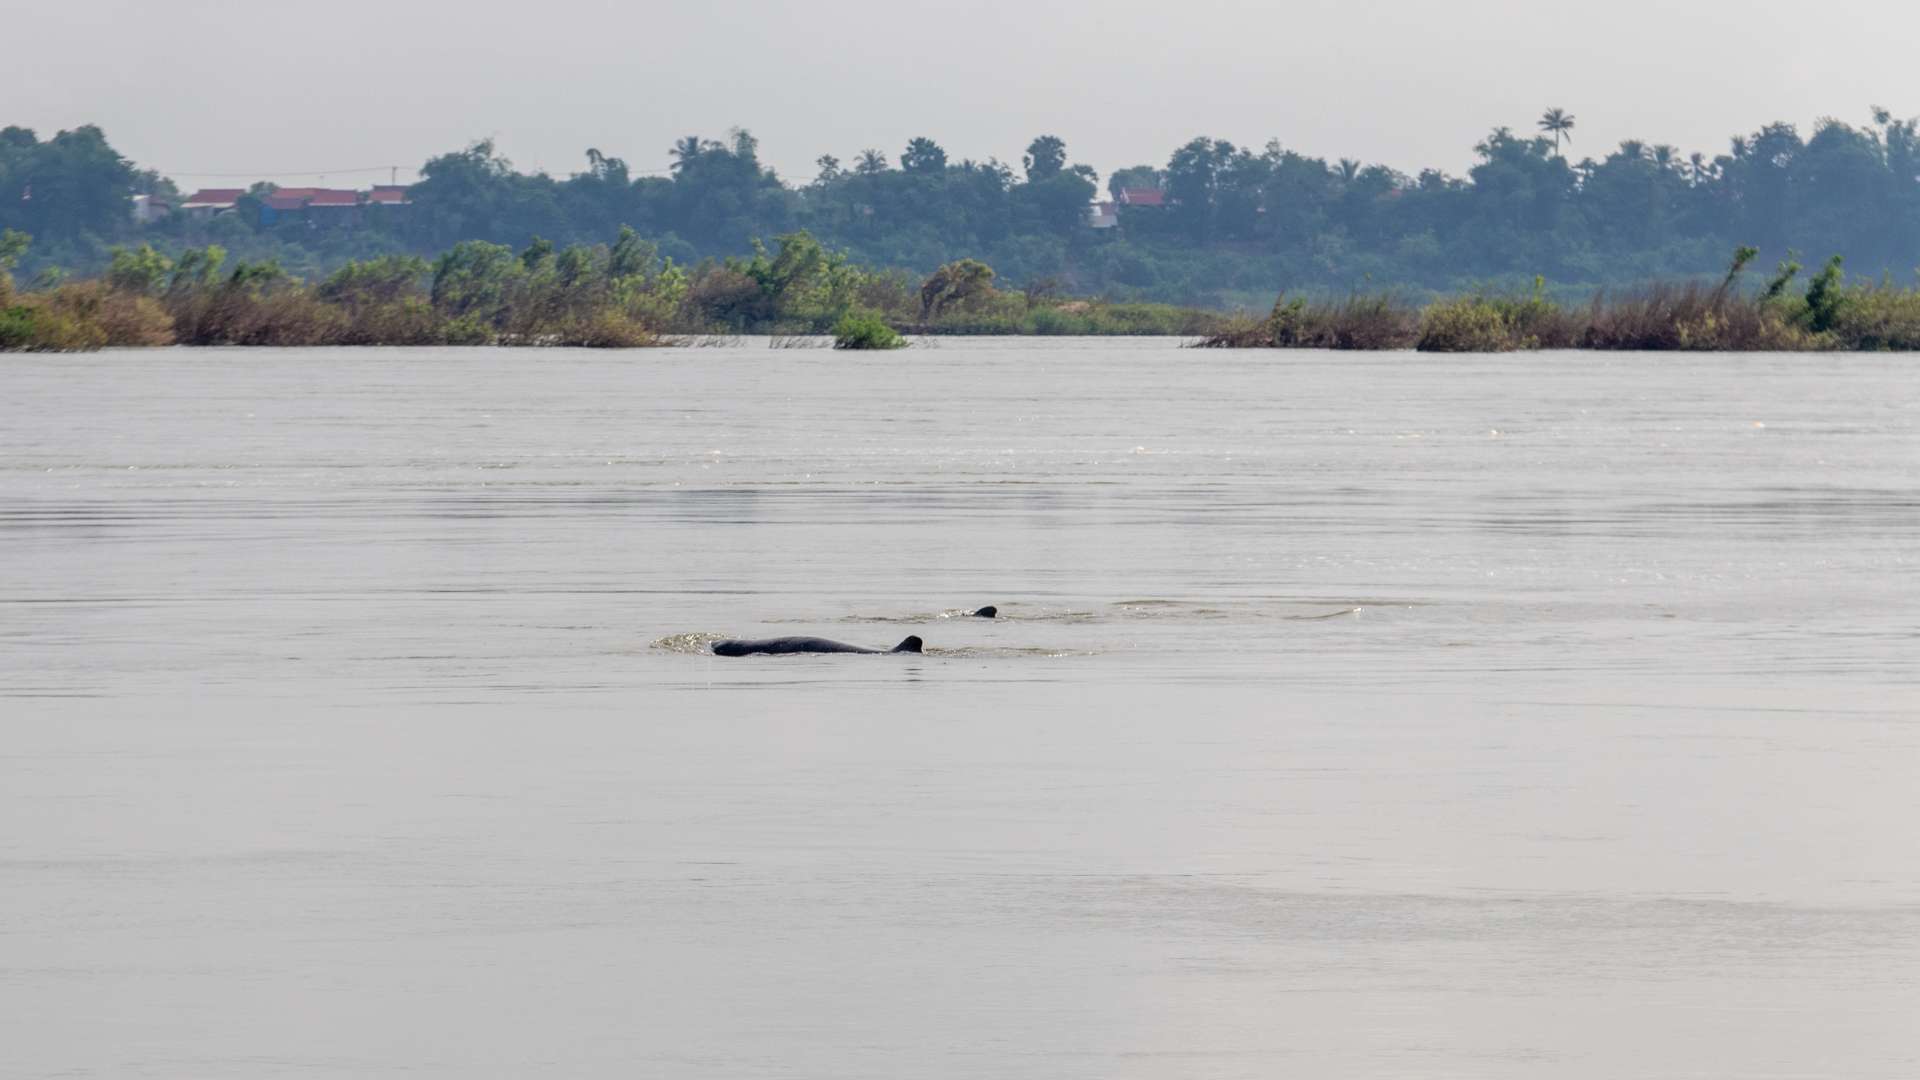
{"points": [[148, 209], [388, 195], [319, 207], [208, 202], [315, 206], [1105, 214]]}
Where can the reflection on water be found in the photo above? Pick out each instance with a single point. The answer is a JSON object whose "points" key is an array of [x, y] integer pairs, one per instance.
{"points": [[1367, 716]]}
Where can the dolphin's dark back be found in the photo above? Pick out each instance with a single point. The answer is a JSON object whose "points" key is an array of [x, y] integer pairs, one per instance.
{"points": [[781, 646]]}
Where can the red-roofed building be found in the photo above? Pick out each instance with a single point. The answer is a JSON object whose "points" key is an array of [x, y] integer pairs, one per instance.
{"points": [[315, 206], [210, 201], [335, 206], [1141, 197]]}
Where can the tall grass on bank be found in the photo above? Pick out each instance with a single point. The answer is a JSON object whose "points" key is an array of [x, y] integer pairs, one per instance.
{"points": [[78, 317], [476, 294], [1011, 314], [1497, 324], [1689, 316], [605, 296], [623, 295], [72, 316], [1380, 321]]}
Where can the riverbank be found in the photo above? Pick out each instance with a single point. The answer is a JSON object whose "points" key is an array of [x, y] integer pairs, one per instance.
{"points": [[619, 295], [1829, 315], [624, 295]]}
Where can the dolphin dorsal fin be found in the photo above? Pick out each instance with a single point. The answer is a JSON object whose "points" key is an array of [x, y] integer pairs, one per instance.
{"points": [[912, 644]]}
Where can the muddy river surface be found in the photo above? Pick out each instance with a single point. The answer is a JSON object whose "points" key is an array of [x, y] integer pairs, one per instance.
{"points": [[1346, 716]]}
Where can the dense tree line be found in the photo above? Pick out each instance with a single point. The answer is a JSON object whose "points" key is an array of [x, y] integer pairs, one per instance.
{"points": [[1238, 223], [69, 189]]}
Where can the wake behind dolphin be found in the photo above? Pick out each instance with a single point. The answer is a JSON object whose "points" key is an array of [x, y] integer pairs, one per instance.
{"points": [[781, 646]]}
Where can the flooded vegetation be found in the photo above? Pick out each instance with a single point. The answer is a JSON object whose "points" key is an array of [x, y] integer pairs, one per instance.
{"points": [[1829, 315], [619, 295], [625, 295]]}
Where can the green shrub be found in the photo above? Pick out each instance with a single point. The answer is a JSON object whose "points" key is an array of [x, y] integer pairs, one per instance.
{"points": [[139, 270], [1826, 297], [955, 285], [466, 330], [1878, 318], [16, 329], [1058, 320], [1466, 325], [1497, 324], [80, 317], [37, 328], [865, 330], [113, 319]]}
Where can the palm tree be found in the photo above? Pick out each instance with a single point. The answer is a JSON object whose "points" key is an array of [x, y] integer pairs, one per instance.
{"points": [[1558, 123], [1349, 168], [1664, 156], [685, 152], [1633, 150], [1697, 167], [1491, 145]]}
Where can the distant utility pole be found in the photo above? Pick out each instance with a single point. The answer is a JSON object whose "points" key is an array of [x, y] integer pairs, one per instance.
{"points": [[394, 175]]}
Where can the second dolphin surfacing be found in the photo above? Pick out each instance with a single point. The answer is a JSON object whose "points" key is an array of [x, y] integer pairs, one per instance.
{"points": [[781, 646]]}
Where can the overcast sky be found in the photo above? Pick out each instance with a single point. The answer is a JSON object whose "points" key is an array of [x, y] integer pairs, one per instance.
{"points": [[268, 90]]}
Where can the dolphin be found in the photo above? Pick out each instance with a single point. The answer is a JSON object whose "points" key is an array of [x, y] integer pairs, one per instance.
{"points": [[987, 612], [780, 646]]}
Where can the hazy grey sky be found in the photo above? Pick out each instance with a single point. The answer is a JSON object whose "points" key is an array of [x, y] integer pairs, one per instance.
{"points": [[213, 86]]}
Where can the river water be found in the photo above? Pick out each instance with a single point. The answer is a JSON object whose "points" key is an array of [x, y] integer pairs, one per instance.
{"points": [[1349, 715]]}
